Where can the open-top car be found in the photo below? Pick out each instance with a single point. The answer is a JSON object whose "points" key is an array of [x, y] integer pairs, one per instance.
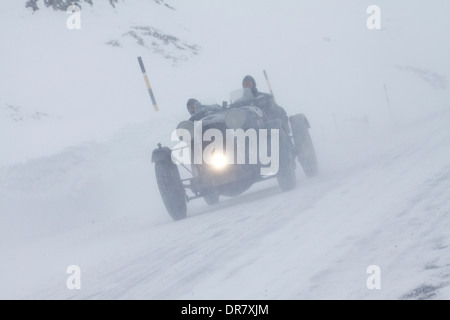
{"points": [[229, 149]]}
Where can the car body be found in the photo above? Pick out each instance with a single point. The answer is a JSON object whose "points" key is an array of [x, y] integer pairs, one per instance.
{"points": [[228, 150]]}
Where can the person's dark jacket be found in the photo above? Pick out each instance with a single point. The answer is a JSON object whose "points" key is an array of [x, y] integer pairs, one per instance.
{"points": [[267, 103]]}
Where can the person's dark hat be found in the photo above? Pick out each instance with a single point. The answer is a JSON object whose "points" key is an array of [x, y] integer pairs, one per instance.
{"points": [[191, 102], [191, 105], [251, 79]]}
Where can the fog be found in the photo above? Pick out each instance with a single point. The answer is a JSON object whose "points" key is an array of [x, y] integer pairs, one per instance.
{"points": [[77, 128]]}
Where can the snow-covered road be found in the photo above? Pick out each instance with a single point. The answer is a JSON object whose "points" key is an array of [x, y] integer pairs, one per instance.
{"points": [[388, 206]]}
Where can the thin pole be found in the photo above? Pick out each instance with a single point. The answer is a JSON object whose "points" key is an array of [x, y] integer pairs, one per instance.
{"points": [[388, 103], [268, 83], [147, 82]]}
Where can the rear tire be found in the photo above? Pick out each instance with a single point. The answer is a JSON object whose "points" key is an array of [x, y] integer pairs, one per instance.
{"points": [[304, 145], [286, 176], [171, 189]]}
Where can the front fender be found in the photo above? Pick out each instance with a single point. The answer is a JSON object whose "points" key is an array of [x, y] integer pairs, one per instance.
{"points": [[161, 154]]}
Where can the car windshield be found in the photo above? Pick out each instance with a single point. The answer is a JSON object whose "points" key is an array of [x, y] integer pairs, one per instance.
{"points": [[241, 95]]}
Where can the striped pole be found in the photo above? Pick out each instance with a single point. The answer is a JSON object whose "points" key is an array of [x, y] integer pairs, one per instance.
{"points": [[268, 83], [147, 82]]}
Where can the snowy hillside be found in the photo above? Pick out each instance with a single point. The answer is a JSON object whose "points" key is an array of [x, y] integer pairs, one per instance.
{"points": [[77, 129]]}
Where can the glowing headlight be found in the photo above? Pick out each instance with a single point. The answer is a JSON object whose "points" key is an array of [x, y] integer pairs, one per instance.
{"points": [[235, 119], [183, 127], [218, 161]]}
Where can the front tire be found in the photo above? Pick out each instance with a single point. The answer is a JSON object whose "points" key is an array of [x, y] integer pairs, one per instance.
{"points": [[171, 189]]}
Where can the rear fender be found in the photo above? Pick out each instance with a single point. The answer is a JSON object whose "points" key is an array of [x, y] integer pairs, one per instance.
{"points": [[300, 115]]}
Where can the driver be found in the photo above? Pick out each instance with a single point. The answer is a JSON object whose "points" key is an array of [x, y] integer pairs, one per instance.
{"points": [[269, 106], [198, 110]]}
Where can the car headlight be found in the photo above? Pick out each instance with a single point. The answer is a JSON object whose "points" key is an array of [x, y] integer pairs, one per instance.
{"points": [[218, 161], [235, 119]]}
